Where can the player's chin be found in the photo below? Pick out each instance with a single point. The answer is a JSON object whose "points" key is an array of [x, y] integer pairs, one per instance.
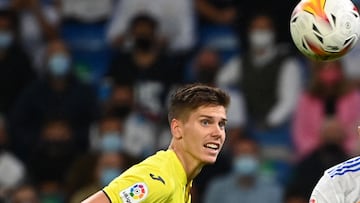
{"points": [[210, 160]]}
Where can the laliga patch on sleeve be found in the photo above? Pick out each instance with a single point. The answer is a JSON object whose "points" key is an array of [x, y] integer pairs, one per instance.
{"points": [[135, 193], [312, 200]]}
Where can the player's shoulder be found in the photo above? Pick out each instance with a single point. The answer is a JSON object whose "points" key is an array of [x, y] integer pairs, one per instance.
{"points": [[158, 167], [337, 181], [159, 161], [344, 169], [148, 180]]}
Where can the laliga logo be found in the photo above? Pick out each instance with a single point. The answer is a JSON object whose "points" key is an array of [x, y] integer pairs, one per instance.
{"points": [[137, 191]]}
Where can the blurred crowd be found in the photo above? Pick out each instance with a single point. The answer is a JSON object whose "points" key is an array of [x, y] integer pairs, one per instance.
{"points": [[84, 86]]}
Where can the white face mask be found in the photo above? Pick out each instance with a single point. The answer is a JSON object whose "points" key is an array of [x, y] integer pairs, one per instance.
{"points": [[111, 142], [246, 165], [260, 39]]}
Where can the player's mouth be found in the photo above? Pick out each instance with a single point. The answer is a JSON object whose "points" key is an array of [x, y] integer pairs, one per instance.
{"points": [[212, 146]]}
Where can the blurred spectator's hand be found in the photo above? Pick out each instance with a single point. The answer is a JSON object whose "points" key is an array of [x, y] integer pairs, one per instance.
{"points": [[227, 16], [224, 15], [27, 4], [33, 4]]}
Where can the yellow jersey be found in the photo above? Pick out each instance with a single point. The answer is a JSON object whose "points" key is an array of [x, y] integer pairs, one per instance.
{"points": [[160, 178]]}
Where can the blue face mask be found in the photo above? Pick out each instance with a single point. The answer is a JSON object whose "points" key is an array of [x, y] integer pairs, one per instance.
{"points": [[246, 165], [6, 39], [59, 64], [108, 174], [111, 142]]}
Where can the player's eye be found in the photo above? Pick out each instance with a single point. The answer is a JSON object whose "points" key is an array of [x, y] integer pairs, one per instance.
{"points": [[205, 122], [222, 124]]}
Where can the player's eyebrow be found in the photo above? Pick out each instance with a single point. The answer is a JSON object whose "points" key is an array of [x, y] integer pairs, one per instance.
{"points": [[211, 117]]}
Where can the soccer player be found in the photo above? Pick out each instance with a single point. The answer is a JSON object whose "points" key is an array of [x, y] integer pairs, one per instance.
{"points": [[339, 184], [197, 118]]}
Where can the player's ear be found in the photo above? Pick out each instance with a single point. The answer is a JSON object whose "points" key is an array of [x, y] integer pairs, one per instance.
{"points": [[175, 126]]}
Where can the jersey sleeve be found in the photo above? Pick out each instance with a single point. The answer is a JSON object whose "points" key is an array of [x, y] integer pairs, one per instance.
{"points": [[138, 184], [325, 191]]}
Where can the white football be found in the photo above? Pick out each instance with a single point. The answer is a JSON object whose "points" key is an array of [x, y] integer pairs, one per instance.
{"points": [[325, 29]]}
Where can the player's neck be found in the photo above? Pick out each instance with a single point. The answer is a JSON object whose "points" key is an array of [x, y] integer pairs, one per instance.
{"points": [[191, 166]]}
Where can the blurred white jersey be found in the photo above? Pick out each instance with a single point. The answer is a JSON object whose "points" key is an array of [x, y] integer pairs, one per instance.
{"points": [[339, 184]]}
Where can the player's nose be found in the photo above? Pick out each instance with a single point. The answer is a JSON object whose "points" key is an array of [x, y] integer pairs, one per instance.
{"points": [[217, 131]]}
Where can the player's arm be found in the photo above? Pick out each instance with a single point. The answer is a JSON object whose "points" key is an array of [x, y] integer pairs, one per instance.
{"points": [[99, 197]]}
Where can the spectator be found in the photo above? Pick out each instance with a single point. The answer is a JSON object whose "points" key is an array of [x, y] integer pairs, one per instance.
{"points": [[121, 100], [124, 126], [176, 21], [281, 10], [244, 183], [15, 65], [39, 22], [12, 170], [109, 165], [60, 94], [146, 66], [52, 157], [328, 94], [139, 129], [330, 152], [206, 65], [268, 76], [83, 27], [25, 193], [110, 134]]}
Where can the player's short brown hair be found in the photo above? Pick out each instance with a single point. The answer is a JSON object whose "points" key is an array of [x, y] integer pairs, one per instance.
{"points": [[192, 96]]}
